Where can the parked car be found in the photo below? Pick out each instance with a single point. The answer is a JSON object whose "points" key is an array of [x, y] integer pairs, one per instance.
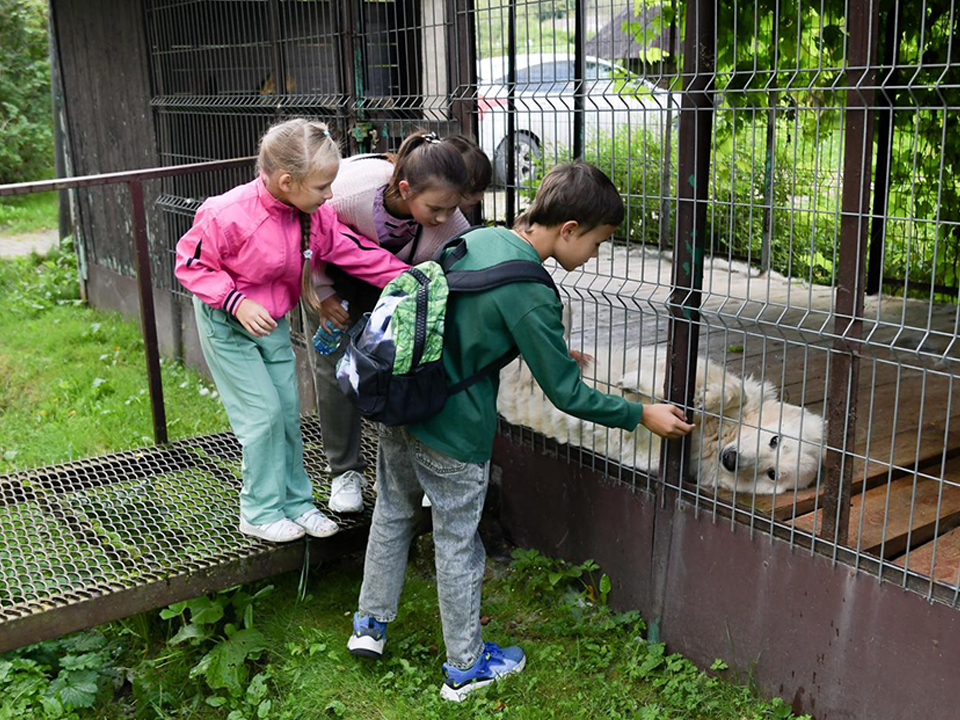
{"points": [[614, 99]]}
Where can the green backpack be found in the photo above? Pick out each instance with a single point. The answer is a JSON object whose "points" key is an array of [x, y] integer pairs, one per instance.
{"points": [[392, 368]]}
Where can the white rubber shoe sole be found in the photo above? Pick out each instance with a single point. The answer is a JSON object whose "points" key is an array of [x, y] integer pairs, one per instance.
{"points": [[279, 531], [366, 646], [458, 694]]}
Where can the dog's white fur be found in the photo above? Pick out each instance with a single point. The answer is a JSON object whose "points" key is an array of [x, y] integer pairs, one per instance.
{"points": [[746, 439]]}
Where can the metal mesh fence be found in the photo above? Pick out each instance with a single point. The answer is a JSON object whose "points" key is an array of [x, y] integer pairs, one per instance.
{"points": [[787, 268], [814, 167]]}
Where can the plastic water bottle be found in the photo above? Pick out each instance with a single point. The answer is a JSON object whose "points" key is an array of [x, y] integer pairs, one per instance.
{"points": [[326, 341]]}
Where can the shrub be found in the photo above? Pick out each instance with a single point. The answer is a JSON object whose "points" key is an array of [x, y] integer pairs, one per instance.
{"points": [[26, 120]]}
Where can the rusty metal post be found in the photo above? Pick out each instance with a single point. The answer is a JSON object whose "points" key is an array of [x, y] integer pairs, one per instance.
{"points": [[462, 65], [696, 127], [579, 78], [462, 69], [862, 20], [893, 28], [148, 318], [511, 112]]}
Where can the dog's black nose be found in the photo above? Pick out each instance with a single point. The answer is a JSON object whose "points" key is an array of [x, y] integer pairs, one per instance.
{"points": [[728, 458]]}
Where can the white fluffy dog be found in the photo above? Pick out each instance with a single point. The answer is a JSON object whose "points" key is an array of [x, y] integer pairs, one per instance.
{"points": [[746, 439]]}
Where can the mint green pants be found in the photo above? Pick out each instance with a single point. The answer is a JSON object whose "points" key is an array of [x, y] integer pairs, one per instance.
{"points": [[256, 378]]}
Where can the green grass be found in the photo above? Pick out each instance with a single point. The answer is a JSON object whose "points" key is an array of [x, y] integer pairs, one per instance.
{"points": [[72, 378], [72, 384], [28, 213]]}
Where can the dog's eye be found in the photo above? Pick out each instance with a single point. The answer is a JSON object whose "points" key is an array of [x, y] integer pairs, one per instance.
{"points": [[774, 441], [772, 474]]}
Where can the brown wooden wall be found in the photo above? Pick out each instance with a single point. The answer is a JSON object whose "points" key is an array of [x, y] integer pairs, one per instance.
{"points": [[106, 89]]}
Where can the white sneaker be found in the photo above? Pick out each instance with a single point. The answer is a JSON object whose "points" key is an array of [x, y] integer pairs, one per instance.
{"points": [[282, 530], [317, 524], [345, 494]]}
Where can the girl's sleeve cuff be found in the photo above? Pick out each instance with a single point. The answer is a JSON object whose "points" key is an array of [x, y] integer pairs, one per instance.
{"points": [[232, 302]]}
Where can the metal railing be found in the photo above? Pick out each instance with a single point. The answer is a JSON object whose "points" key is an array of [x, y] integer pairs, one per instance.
{"points": [[134, 180]]}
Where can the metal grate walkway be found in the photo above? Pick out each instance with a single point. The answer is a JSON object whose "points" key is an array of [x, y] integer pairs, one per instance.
{"points": [[98, 539]]}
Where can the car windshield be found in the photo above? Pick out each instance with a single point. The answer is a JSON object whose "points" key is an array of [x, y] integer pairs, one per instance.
{"points": [[556, 76], [543, 74]]}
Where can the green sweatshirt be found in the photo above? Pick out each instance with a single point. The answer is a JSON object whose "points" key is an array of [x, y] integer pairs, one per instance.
{"points": [[482, 327]]}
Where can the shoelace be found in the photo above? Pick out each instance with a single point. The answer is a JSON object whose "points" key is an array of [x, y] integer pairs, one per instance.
{"points": [[492, 651]]}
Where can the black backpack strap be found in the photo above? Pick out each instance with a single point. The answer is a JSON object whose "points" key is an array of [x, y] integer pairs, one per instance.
{"points": [[458, 245], [487, 370], [504, 273]]}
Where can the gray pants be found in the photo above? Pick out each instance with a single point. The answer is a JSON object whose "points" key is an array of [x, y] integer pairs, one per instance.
{"points": [[406, 468], [339, 419]]}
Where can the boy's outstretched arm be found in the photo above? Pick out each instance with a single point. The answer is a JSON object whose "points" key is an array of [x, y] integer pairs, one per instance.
{"points": [[539, 335]]}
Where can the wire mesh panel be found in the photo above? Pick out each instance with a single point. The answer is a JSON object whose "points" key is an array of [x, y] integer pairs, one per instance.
{"points": [[820, 169], [787, 267]]}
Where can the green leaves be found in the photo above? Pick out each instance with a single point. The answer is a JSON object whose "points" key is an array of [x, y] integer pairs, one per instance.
{"points": [[26, 127], [224, 667]]}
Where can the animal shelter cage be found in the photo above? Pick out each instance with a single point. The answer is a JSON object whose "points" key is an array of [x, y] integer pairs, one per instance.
{"points": [[787, 175], [787, 270], [790, 216]]}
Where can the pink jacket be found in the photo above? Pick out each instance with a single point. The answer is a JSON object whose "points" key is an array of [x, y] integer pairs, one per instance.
{"points": [[246, 243]]}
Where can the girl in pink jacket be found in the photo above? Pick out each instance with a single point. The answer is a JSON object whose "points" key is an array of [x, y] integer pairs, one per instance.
{"points": [[247, 259]]}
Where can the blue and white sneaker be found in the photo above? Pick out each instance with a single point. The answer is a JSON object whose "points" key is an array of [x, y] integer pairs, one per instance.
{"points": [[494, 663], [369, 637]]}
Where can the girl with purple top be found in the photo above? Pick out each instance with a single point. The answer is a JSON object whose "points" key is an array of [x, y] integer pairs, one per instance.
{"points": [[410, 204]]}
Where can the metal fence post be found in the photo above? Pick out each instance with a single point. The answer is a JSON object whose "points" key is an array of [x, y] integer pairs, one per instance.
{"points": [[696, 126], [862, 20], [511, 173], [148, 318], [893, 29], [579, 78]]}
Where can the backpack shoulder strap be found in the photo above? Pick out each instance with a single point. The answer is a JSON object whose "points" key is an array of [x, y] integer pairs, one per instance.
{"points": [[504, 273], [487, 370], [458, 247]]}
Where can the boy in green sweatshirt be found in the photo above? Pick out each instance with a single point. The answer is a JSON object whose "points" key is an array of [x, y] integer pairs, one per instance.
{"points": [[576, 209]]}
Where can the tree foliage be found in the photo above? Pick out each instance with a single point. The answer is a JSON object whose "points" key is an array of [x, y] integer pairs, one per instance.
{"points": [[787, 63], [26, 124]]}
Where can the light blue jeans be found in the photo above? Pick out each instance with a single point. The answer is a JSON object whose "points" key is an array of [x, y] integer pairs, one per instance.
{"points": [[406, 468]]}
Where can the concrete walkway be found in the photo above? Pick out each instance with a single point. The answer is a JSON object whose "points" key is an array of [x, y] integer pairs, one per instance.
{"points": [[17, 245]]}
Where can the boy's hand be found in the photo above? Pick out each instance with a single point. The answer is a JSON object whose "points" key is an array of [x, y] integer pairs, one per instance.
{"points": [[332, 313], [665, 420], [255, 318]]}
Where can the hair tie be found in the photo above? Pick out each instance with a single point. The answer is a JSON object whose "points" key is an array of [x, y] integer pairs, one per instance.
{"points": [[431, 137], [307, 254], [326, 133]]}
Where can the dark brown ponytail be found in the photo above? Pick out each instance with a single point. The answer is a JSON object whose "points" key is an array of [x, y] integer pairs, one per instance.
{"points": [[425, 161]]}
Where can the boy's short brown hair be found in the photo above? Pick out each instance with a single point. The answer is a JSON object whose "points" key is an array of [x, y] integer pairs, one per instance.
{"points": [[574, 191]]}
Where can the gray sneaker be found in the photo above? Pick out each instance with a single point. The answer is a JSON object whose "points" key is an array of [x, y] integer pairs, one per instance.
{"points": [[346, 494]]}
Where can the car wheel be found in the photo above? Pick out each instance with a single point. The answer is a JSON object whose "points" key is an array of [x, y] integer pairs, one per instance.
{"points": [[527, 164]]}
